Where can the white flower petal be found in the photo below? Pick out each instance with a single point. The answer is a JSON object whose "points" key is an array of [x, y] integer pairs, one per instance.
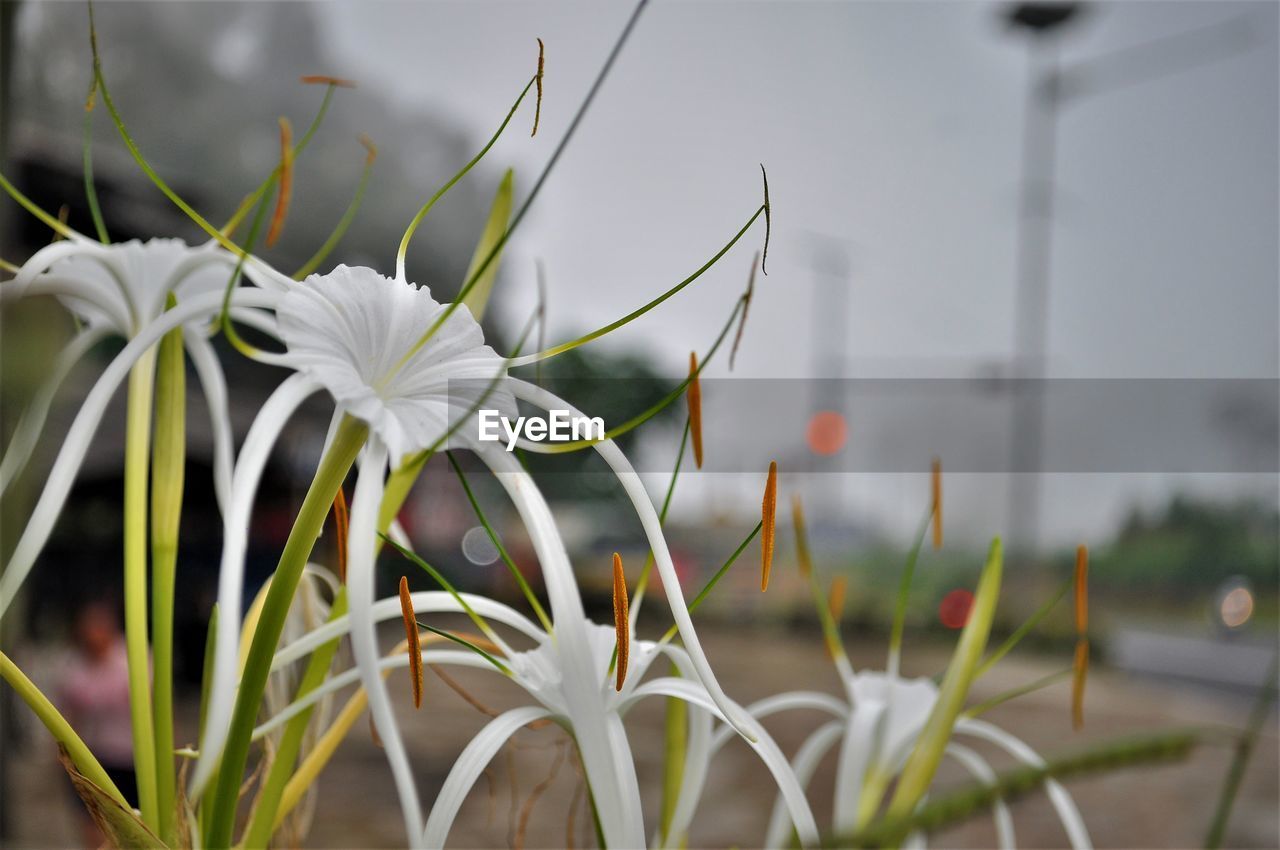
{"points": [[255, 453], [351, 328], [214, 386], [470, 764], [362, 549], [27, 433], [978, 767], [1077, 833], [803, 765], [58, 483]]}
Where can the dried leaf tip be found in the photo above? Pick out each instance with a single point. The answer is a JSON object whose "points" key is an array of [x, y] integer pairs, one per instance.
{"points": [[746, 306], [936, 485], [768, 222], [802, 537], [621, 620], [693, 395], [285, 184], [370, 147], [537, 108], [411, 637], [1082, 590], [326, 80], [768, 524], [341, 524]]}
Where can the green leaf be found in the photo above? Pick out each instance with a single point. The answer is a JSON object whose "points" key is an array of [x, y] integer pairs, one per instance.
{"points": [[923, 762], [494, 229]]}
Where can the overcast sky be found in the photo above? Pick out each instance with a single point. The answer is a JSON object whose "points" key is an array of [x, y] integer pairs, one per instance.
{"points": [[894, 128]]}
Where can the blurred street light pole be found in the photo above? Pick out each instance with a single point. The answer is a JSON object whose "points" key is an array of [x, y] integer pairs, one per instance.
{"points": [[1049, 87]]}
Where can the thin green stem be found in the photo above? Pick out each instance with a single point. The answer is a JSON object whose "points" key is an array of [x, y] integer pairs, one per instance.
{"points": [[440, 193], [563, 144], [1025, 629], [30, 206], [90, 191], [1240, 760], [502, 550], [334, 466], [44, 710], [637, 313], [461, 641], [714, 580], [169, 460], [675, 745], [228, 327], [136, 457], [262, 820], [904, 591], [448, 587], [264, 188], [341, 229], [1013, 693], [642, 583]]}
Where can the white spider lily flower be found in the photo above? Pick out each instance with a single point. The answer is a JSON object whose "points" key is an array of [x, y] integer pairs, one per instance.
{"points": [[567, 674], [115, 288], [876, 726]]}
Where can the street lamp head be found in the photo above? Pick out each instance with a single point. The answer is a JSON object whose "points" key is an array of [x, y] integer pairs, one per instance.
{"points": [[1041, 19]]}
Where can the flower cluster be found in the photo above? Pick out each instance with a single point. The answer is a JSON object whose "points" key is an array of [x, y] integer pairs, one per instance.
{"points": [[387, 354]]}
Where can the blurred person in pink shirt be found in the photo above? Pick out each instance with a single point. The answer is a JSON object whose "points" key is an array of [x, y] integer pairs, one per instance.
{"points": [[94, 696]]}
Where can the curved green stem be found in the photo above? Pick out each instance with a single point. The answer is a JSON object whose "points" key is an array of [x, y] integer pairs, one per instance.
{"points": [[90, 191], [81, 756], [169, 460], [137, 450], [346, 445], [341, 229]]}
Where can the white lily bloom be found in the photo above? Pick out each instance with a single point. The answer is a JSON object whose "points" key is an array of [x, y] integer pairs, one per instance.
{"points": [[567, 674], [121, 290], [876, 727]]}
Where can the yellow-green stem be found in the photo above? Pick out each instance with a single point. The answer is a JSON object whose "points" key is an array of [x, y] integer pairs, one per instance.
{"points": [[263, 820], [169, 460], [136, 457], [58, 726], [333, 468], [676, 736]]}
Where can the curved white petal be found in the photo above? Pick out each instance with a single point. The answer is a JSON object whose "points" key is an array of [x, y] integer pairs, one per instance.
{"points": [[338, 681], [978, 767], [255, 453], [424, 600], [803, 765], [856, 753], [635, 490], [36, 533], [470, 764], [213, 384], [790, 701], [27, 433], [352, 327], [362, 554], [557, 573], [759, 740], [1072, 822]]}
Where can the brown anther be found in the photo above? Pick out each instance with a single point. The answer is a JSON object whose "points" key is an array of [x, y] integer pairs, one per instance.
{"points": [[802, 537], [768, 524], [537, 109], [325, 80], [936, 482], [621, 620], [340, 525], [370, 147], [746, 306], [411, 636], [1082, 590], [1079, 672], [693, 395], [285, 193]]}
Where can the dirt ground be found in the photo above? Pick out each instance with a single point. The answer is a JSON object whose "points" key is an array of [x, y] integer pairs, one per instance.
{"points": [[1166, 807]]}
